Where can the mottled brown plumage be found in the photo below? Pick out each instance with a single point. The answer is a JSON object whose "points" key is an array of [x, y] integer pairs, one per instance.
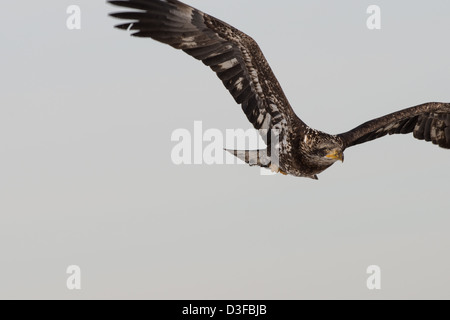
{"points": [[292, 147]]}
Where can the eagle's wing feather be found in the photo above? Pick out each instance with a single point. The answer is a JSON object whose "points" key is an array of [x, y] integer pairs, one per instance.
{"points": [[429, 122], [231, 54]]}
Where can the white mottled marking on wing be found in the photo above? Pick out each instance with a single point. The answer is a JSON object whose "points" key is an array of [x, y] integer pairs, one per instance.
{"points": [[238, 84], [228, 64]]}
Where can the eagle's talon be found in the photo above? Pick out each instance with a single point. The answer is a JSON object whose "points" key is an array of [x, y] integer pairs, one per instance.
{"points": [[276, 169]]}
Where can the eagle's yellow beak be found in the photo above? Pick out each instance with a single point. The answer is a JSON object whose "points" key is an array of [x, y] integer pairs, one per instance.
{"points": [[336, 155]]}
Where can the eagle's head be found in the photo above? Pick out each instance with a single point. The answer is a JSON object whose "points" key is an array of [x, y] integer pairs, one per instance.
{"points": [[323, 150], [330, 152]]}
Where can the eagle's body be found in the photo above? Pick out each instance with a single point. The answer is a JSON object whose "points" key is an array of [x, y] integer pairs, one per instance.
{"points": [[238, 61]]}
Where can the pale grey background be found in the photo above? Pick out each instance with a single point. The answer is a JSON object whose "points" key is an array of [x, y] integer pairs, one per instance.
{"points": [[86, 176]]}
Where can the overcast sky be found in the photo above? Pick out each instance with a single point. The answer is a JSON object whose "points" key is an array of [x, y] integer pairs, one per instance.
{"points": [[86, 176]]}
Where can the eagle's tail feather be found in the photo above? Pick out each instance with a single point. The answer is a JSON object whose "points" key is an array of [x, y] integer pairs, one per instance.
{"points": [[253, 157]]}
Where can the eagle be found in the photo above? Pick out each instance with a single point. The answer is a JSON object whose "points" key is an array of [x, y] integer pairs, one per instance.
{"points": [[239, 63]]}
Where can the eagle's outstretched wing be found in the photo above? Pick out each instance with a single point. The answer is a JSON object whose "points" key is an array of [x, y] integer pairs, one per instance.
{"points": [[429, 122], [231, 54]]}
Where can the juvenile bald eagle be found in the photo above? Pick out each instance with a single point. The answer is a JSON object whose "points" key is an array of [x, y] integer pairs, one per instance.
{"points": [[240, 64]]}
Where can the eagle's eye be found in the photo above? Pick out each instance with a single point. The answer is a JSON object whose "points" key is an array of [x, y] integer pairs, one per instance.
{"points": [[322, 152]]}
